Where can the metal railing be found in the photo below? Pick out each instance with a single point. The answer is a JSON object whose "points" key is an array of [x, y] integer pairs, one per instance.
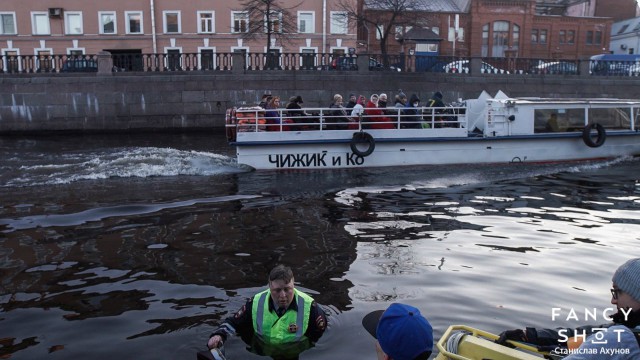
{"points": [[255, 119], [222, 62]]}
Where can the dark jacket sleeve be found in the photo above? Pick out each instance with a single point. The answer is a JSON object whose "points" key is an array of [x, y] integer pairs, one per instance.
{"points": [[317, 322], [241, 322], [558, 336]]}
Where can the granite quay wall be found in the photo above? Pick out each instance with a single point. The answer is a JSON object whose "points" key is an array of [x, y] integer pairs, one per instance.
{"points": [[37, 103]]}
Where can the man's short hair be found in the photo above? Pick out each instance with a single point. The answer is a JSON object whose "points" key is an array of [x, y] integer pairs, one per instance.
{"points": [[281, 272]]}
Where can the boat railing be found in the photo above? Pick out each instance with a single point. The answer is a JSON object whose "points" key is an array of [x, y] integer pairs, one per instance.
{"points": [[254, 119]]}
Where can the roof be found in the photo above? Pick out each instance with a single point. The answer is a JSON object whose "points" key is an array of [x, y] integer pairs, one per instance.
{"points": [[628, 26], [452, 6], [418, 34]]}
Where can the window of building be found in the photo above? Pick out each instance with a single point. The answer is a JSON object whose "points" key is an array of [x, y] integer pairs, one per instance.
{"points": [[543, 36], [207, 59], [401, 31], [593, 37], [485, 40], [40, 23], [43, 61], [206, 22], [534, 36], [436, 30], [134, 22], [308, 58], [498, 37], [571, 37], [459, 37], [339, 22], [107, 22], [623, 28], [240, 21], [274, 23], [306, 22], [10, 61], [174, 59], [7, 23], [73, 22], [562, 37], [379, 31], [172, 22]]}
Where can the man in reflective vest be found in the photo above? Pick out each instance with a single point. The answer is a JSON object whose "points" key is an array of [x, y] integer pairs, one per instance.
{"points": [[277, 316]]}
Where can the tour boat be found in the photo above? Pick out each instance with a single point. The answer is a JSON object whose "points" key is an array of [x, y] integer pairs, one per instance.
{"points": [[497, 129]]}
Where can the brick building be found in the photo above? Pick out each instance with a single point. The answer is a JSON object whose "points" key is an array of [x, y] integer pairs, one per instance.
{"points": [[504, 28], [63, 27]]}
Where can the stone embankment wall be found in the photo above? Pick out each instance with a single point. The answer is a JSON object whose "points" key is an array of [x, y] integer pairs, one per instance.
{"points": [[147, 101]]}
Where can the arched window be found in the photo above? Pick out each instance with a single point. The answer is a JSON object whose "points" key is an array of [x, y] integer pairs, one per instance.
{"points": [[498, 37]]}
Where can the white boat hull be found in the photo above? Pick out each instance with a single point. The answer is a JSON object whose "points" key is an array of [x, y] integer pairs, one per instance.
{"points": [[335, 152]]}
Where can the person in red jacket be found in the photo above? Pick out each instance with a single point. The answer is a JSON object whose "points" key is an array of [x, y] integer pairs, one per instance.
{"points": [[374, 116]]}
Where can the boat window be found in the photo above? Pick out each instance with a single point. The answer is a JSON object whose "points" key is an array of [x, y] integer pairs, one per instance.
{"points": [[558, 120], [612, 118]]}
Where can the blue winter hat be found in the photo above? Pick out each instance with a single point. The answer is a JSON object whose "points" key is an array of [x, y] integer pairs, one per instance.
{"points": [[627, 278], [403, 333]]}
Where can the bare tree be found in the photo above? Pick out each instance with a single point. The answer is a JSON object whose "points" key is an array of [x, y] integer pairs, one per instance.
{"points": [[385, 15], [266, 17]]}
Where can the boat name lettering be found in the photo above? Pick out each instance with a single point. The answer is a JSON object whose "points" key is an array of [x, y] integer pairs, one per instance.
{"points": [[353, 159], [313, 160], [298, 160]]}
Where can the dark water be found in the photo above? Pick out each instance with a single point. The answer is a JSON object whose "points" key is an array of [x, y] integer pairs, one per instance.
{"points": [[135, 247]]}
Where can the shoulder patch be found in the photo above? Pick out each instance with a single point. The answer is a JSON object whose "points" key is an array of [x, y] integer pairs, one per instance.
{"points": [[240, 312]]}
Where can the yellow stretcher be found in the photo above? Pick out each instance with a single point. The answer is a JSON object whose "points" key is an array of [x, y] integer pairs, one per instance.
{"points": [[478, 345]]}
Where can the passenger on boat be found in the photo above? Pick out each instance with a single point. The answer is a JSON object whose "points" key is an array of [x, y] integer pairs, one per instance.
{"points": [[295, 112], [436, 102], [375, 117], [338, 119], [412, 116], [279, 318], [271, 114], [358, 109], [353, 100], [402, 333], [263, 101], [552, 123], [617, 340], [382, 101]]}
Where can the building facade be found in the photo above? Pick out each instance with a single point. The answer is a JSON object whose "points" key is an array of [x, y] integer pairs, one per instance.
{"points": [[507, 28], [625, 37], [73, 27]]}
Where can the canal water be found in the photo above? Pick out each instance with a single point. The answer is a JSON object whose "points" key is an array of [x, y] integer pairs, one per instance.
{"points": [[136, 246]]}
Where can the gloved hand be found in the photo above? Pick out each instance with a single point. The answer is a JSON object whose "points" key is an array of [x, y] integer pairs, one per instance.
{"points": [[516, 335]]}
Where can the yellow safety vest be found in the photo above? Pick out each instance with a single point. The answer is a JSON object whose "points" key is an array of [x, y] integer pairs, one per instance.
{"points": [[290, 327]]}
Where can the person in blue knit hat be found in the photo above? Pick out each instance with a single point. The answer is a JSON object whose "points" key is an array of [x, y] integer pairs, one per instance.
{"points": [[619, 340], [402, 333]]}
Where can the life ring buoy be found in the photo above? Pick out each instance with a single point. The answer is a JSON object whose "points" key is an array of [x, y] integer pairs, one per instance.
{"points": [[599, 139], [362, 137]]}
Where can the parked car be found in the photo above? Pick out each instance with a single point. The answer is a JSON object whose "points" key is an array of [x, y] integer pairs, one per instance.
{"points": [[80, 65], [462, 66], [350, 63], [555, 67]]}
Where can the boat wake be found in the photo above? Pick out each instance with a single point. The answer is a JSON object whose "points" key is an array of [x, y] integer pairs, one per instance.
{"points": [[138, 162], [454, 176]]}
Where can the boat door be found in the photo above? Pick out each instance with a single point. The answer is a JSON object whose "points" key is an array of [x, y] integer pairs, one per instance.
{"points": [[496, 121]]}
